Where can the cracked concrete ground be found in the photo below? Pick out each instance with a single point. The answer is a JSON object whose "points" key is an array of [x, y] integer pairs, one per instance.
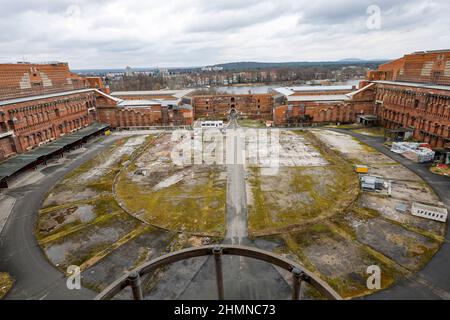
{"points": [[328, 255]]}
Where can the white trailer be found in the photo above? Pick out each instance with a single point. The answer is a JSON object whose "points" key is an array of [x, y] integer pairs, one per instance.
{"points": [[212, 124], [429, 212]]}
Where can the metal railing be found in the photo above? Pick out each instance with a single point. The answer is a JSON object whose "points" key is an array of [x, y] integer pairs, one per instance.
{"points": [[299, 273]]}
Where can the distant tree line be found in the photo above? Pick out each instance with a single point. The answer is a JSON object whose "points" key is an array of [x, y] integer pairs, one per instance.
{"points": [[286, 76], [138, 82]]}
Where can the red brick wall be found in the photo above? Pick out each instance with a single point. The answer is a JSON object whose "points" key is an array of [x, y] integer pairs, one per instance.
{"points": [[143, 117], [21, 80], [433, 67], [425, 110], [97, 83], [425, 67], [318, 112], [6, 147], [119, 117], [390, 71], [39, 121], [325, 112], [252, 106], [154, 115]]}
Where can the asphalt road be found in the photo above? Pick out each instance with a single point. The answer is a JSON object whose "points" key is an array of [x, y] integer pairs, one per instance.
{"points": [[20, 255], [432, 282], [236, 195]]}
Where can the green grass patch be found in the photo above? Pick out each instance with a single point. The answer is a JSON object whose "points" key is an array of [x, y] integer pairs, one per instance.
{"points": [[102, 206], [249, 123], [306, 194], [6, 283], [198, 208], [348, 283]]}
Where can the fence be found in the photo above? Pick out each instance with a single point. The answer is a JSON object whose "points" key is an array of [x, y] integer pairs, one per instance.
{"points": [[299, 273]]}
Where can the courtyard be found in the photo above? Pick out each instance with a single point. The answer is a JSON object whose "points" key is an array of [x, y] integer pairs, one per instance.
{"points": [[131, 203]]}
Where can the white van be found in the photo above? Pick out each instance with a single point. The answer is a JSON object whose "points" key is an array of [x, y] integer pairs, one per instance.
{"points": [[212, 124]]}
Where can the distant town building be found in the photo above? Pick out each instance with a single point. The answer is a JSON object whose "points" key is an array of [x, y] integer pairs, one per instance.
{"points": [[128, 71], [212, 68]]}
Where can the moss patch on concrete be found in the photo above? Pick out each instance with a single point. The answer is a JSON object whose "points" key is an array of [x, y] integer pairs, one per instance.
{"points": [[335, 241], [189, 198], [90, 243], [197, 207], [249, 123], [337, 259], [95, 177], [60, 221], [6, 283], [300, 195], [83, 230]]}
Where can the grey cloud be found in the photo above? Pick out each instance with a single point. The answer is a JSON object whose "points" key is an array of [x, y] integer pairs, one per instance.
{"points": [[239, 16], [115, 33]]}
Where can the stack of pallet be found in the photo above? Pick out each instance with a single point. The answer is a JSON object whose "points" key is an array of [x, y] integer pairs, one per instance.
{"points": [[413, 151]]}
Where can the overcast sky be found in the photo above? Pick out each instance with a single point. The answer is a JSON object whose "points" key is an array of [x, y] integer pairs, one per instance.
{"points": [[157, 33]]}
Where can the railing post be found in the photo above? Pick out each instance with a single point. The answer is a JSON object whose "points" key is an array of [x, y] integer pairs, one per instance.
{"points": [[217, 251], [297, 276], [135, 282]]}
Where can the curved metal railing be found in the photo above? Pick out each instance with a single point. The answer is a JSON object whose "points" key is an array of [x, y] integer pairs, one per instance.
{"points": [[299, 273]]}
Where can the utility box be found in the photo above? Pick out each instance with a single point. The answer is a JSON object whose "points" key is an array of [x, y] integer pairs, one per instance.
{"points": [[370, 183]]}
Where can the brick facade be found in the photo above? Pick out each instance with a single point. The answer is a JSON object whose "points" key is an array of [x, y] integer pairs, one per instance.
{"points": [[39, 103], [414, 92], [25, 79], [7, 147], [421, 67], [248, 106], [97, 83], [425, 110], [327, 106], [149, 113], [41, 120]]}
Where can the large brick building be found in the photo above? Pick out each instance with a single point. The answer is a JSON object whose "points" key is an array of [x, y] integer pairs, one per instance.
{"points": [[42, 102], [414, 93], [145, 108], [248, 106], [26, 79], [411, 93], [142, 113], [39, 103], [323, 104]]}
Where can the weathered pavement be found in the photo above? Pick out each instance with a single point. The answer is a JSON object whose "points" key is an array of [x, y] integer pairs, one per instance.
{"points": [[20, 255], [36, 278], [432, 282], [244, 278], [236, 195]]}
